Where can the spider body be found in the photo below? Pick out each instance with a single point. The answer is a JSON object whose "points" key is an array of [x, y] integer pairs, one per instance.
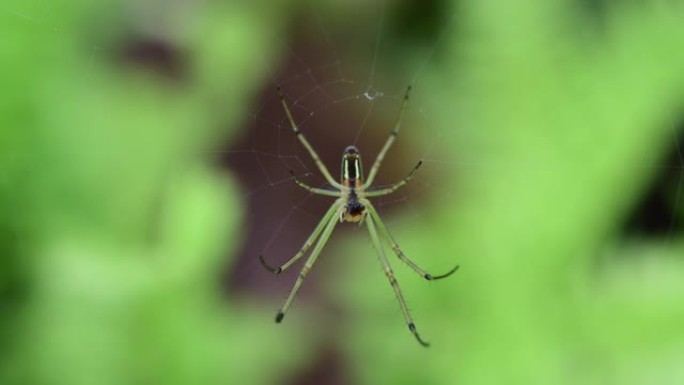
{"points": [[352, 181], [354, 210], [352, 172], [352, 205]]}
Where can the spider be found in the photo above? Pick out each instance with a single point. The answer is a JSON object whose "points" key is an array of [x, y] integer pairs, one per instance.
{"points": [[352, 205]]}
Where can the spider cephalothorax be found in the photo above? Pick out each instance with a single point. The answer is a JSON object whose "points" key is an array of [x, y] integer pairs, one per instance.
{"points": [[353, 210], [352, 205]]}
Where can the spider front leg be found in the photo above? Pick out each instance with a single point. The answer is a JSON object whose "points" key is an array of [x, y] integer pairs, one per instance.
{"points": [[400, 254], [332, 221], [393, 281], [309, 242]]}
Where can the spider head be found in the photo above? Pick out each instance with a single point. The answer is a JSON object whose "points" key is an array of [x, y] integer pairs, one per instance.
{"points": [[352, 174], [353, 211]]}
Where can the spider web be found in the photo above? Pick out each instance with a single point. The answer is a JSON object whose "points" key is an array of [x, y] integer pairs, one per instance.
{"points": [[341, 95], [344, 84]]}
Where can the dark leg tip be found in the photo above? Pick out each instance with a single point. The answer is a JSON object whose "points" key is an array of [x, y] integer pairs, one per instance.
{"points": [[432, 278], [279, 316], [412, 328], [269, 268]]}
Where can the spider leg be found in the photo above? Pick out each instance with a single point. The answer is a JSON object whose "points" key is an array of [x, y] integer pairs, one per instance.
{"points": [[393, 281], [314, 190], [306, 144], [400, 254], [312, 238], [332, 221], [396, 186], [389, 142]]}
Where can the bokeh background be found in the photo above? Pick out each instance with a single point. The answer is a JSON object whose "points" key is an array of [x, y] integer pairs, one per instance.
{"points": [[143, 168]]}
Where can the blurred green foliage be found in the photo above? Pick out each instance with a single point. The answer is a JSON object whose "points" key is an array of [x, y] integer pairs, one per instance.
{"points": [[570, 125], [113, 224]]}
